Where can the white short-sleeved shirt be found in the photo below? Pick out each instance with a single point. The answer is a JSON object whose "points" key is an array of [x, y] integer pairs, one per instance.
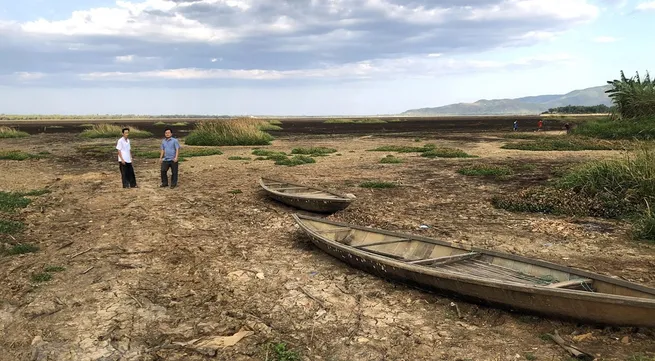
{"points": [[124, 146]]}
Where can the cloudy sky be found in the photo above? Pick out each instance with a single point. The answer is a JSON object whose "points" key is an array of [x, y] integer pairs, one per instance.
{"points": [[308, 57]]}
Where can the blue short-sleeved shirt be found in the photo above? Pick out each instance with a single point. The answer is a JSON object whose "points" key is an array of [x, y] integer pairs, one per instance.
{"points": [[169, 146]]}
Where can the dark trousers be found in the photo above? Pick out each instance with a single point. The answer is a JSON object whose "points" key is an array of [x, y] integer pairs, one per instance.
{"points": [[127, 175], [165, 164]]}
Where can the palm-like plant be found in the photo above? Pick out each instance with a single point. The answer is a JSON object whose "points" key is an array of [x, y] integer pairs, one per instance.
{"points": [[632, 97]]}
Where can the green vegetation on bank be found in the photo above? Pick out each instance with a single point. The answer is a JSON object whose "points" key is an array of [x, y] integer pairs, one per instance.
{"points": [[10, 222], [580, 109], [621, 188]]}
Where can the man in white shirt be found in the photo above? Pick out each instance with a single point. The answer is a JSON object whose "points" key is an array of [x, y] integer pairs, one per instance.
{"points": [[125, 160]]}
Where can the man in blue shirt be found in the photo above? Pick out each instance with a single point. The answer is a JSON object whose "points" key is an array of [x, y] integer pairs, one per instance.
{"points": [[170, 150]]}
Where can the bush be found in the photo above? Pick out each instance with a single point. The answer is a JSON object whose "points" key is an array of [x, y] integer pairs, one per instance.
{"points": [[7, 132], [240, 131], [113, 131]]}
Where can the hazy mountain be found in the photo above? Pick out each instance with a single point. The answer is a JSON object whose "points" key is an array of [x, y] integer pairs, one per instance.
{"points": [[526, 105]]}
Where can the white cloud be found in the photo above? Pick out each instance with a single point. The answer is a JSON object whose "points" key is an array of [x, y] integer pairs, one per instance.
{"points": [[125, 58], [410, 66], [605, 39], [646, 6], [26, 76]]}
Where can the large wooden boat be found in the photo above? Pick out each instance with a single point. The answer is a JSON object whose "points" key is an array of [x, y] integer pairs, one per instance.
{"points": [[304, 197], [486, 276]]}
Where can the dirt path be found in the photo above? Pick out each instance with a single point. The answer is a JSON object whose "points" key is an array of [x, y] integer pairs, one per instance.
{"points": [[149, 268]]}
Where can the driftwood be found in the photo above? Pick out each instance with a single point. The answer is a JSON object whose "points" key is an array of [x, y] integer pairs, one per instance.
{"points": [[574, 351]]}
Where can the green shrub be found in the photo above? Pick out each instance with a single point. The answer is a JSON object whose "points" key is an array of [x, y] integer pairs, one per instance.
{"points": [[240, 131]]}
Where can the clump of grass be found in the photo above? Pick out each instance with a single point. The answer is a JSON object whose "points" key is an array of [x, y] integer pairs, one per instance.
{"points": [[10, 201], [86, 125], [19, 155], [619, 188], [447, 153], [314, 151], [238, 158], [240, 131], [235, 191], [10, 227], [485, 170], [390, 159], [525, 135], [404, 148], [22, 248], [8, 132], [281, 353], [295, 160], [159, 124], [274, 122], [377, 184], [562, 144], [530, 356], [268, 126], [641, 129], [54, 269], [180, 124], [113, 131], [41, 277]]}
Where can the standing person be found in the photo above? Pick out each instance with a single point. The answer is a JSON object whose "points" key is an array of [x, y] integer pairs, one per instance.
{"points": [[516, 125], [540, 124], [567, 126], [170, 150], [125, 160]]}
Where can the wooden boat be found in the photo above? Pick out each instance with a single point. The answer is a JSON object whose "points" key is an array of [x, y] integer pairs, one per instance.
{"points": [[311, 199], [486, 276]]}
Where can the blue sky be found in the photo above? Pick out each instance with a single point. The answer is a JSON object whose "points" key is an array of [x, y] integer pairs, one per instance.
{"points": [[308, 57]]}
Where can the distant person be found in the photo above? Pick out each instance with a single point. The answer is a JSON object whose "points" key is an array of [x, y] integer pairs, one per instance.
{"points": [[540, 124], [516, 125], [125, 160], [567, 126], [168, 156]]}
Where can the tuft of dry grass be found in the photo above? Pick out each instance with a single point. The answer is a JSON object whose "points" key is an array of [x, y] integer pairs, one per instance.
{"points": [[239, 131], [113, 131], [8, 132]]}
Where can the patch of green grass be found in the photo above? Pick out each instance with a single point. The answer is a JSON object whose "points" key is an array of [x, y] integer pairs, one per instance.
{"points": [[238, 158], [10, 227], [390, 159], [281, 353], [616, 188], [274, 122], [241, 131], [22, 248], [19, 155], [314, 151], [530, 356], [179, 124], [86, 125], [566, 143], [404, 148], [8, 132], [10, 201], [486, 170], [377, 184], [526, 135], [186, 153], [269, 126], [159, 124], [447, 153], [54, 269], [41, 277], [295, 160], [640, 128], [235, 191], [113, 131]]}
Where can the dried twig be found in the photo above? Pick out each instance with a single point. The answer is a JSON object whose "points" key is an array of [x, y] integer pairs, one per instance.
{"points": [[576, 352], [312, 297], [137, 301], [453, 304], [80, 253], [87, 270]]}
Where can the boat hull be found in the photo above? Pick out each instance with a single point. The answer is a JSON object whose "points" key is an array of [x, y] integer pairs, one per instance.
{"points": [[564, 304], [311, 205]]}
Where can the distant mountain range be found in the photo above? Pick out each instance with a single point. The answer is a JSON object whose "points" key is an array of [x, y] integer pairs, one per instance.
{"points": [[520, 106]]}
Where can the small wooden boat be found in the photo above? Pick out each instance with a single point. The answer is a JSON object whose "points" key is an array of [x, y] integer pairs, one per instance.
{"points": [[304, 197], [486, 276]]}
